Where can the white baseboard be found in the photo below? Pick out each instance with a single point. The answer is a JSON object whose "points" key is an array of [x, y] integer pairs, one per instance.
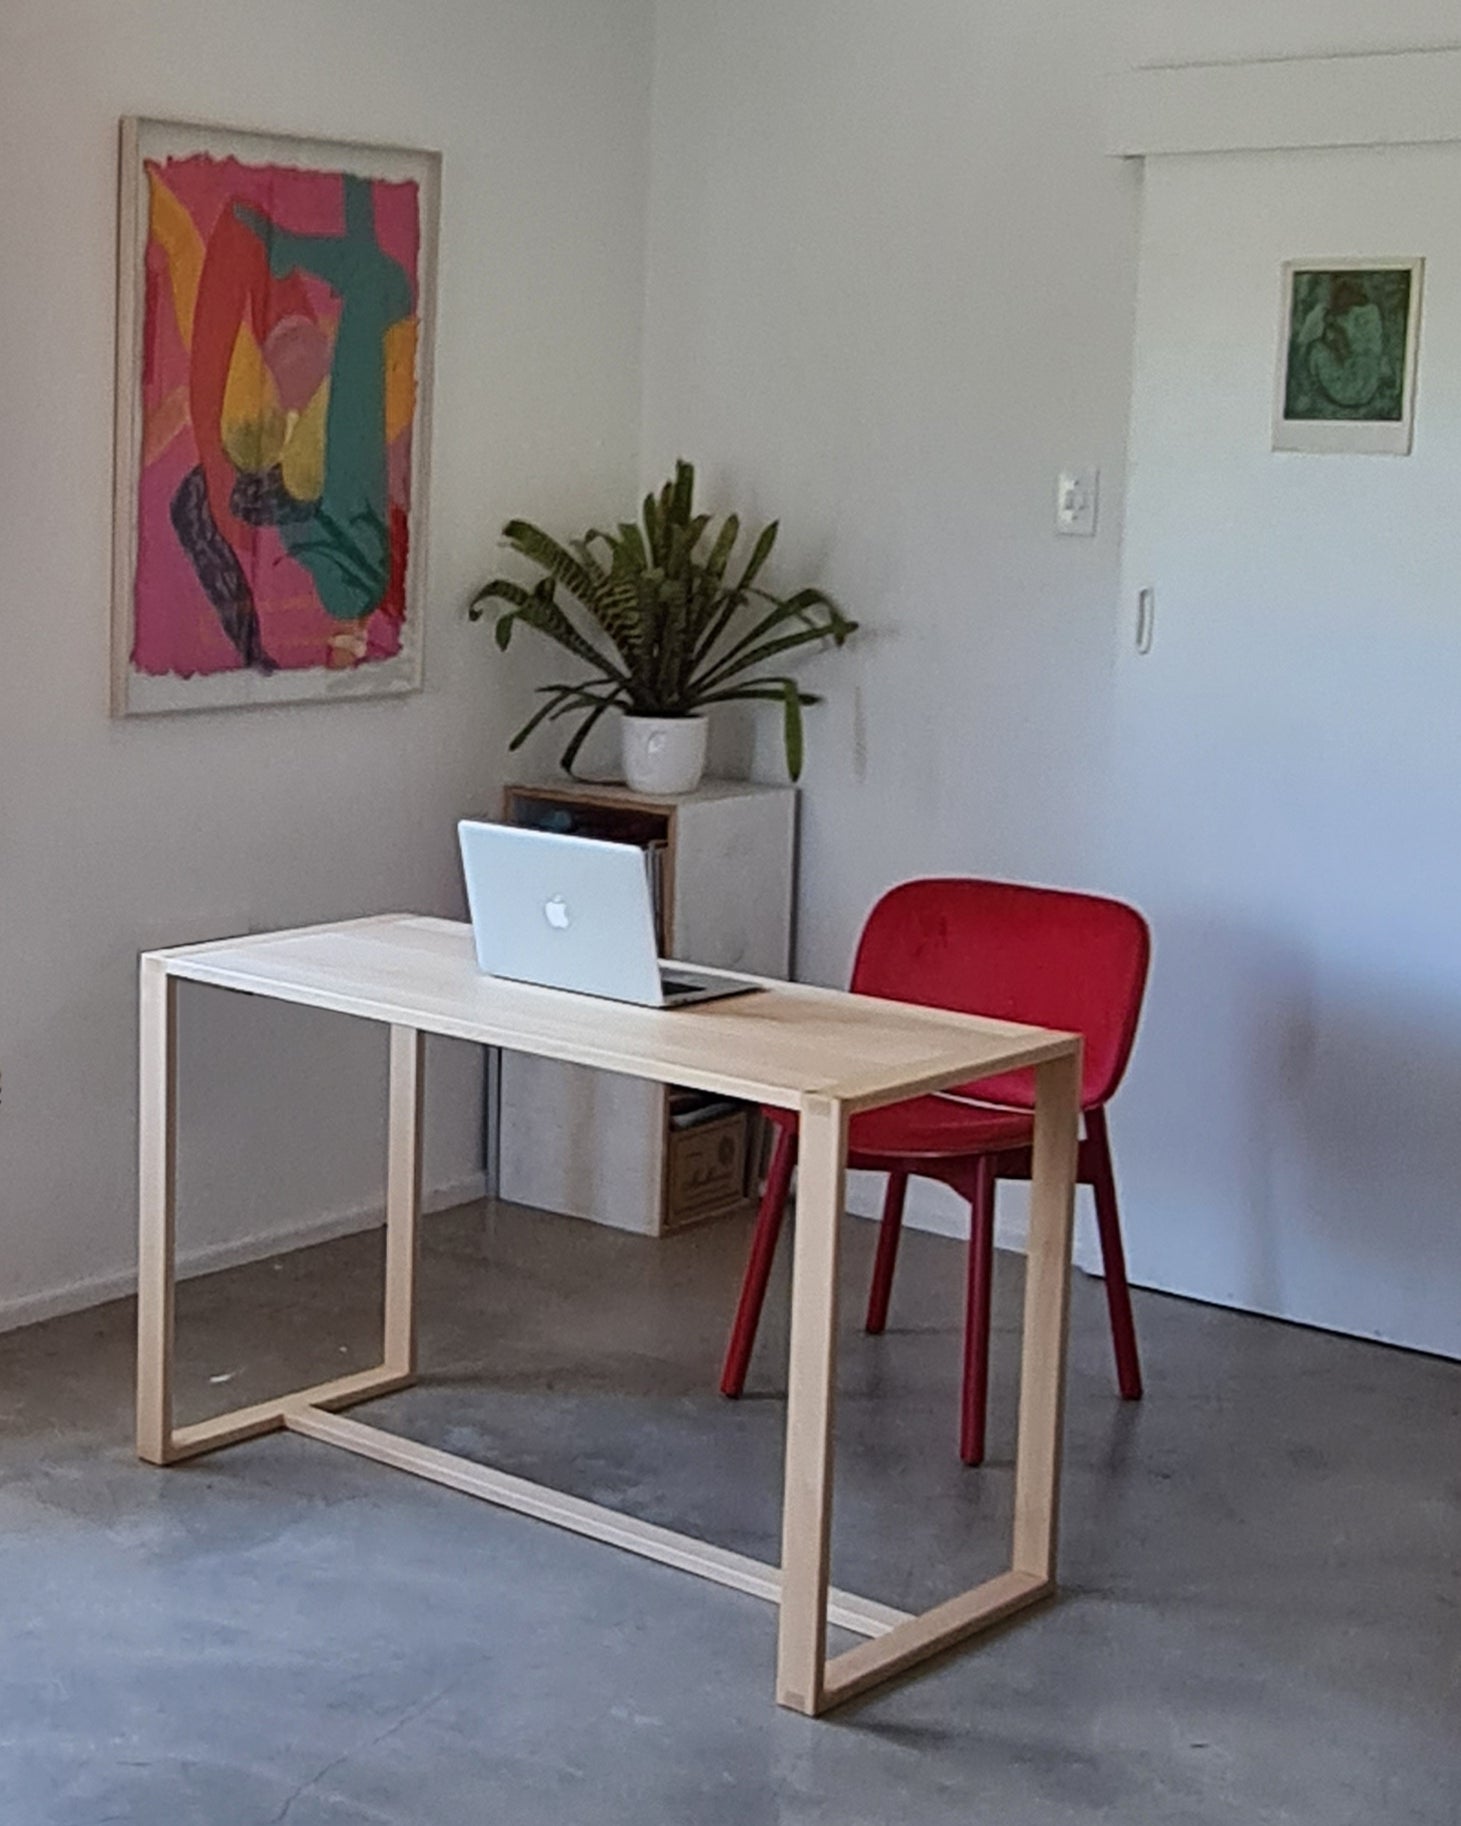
{"points": [[940, 1212], [929, 1208], [31, 1309]]}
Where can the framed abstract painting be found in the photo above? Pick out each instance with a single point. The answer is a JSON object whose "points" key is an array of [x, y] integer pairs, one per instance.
{"points": [[274, 362]]}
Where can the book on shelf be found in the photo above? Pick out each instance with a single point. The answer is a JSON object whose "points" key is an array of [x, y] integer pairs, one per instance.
{"points": [[689, 1109], [608, 824], [654, 863]]}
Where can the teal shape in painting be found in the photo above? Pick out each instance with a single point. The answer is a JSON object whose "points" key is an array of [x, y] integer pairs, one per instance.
{"points": [[346, 546]]}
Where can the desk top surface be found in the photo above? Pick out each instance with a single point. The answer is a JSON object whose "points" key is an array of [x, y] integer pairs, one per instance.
{"points": [[774, 1047]]}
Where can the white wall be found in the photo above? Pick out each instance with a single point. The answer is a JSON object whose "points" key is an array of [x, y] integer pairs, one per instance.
{"points": [[891, 292], [116, 836], [890, 284], [890, 287], [1195, 31], [890, 295]]}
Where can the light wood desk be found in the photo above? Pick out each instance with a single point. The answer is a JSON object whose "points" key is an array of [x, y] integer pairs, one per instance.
{"points": [[823, 1053]]}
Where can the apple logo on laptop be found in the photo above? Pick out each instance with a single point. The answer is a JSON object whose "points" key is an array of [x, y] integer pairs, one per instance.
{"points": [[555, 911]]}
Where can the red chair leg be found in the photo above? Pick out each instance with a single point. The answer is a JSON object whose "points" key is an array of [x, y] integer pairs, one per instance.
{"points": [[886, 1261], [758, 1266], [1113, 1258], [975, 1399]]}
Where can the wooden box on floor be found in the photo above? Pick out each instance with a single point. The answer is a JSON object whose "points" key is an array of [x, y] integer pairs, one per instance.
{"points": [[621, 1151], [708, 1166]]}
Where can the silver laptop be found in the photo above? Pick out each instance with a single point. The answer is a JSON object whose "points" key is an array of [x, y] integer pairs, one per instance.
{"points": [[573, 913]]}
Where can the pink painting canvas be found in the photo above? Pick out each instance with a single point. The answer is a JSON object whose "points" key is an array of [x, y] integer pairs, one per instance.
{"points": [[277, 408]]}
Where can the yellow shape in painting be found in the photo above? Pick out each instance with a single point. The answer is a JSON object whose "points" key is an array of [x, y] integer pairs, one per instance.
{"points": [[253, 421], [303, 462], [400, 353], [173, 230]]}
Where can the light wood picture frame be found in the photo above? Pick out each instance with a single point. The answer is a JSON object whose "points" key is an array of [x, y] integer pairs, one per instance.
{"points": [[276, 301], [1348, 356]]}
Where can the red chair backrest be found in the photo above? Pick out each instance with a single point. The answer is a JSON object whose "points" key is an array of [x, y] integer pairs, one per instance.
{"points": [[1055, 959]]}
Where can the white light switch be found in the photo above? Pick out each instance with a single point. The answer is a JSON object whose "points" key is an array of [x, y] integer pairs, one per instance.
{"points": [[1076, 495]]}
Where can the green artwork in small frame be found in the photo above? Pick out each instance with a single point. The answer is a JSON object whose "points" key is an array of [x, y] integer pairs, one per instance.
{"points": [[1347, 356], [1347, 336]]}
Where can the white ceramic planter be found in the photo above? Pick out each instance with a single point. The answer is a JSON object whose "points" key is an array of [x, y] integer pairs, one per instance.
{"points": [[664, 754]]}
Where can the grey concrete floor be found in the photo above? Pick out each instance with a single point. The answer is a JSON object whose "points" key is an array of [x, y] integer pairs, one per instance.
{"points": [[1261, 1616]]}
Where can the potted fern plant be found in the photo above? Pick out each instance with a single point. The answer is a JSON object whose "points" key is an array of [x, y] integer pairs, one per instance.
{"points": [[663, 631]]}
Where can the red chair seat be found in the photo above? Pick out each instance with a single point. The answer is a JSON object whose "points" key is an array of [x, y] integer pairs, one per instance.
{"points": [[930, 1128]]}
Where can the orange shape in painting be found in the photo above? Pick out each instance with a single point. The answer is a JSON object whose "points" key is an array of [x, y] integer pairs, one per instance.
{"points": [[400, 356], [172, 228], [163, 422]]}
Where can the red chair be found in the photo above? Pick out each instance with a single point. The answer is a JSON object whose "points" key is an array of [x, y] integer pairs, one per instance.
{"points": [[1069, 961]]}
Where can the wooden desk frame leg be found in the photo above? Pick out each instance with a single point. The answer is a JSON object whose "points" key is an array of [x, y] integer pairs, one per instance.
{"points": [[806, 1539], [403, 1198], [159, 1442], [1047, 1318], [814, 1686], [157, 1010]]}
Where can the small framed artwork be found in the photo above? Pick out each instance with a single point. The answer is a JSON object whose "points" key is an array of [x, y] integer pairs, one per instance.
{"points": [[1347, 356], [276, 300]]}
